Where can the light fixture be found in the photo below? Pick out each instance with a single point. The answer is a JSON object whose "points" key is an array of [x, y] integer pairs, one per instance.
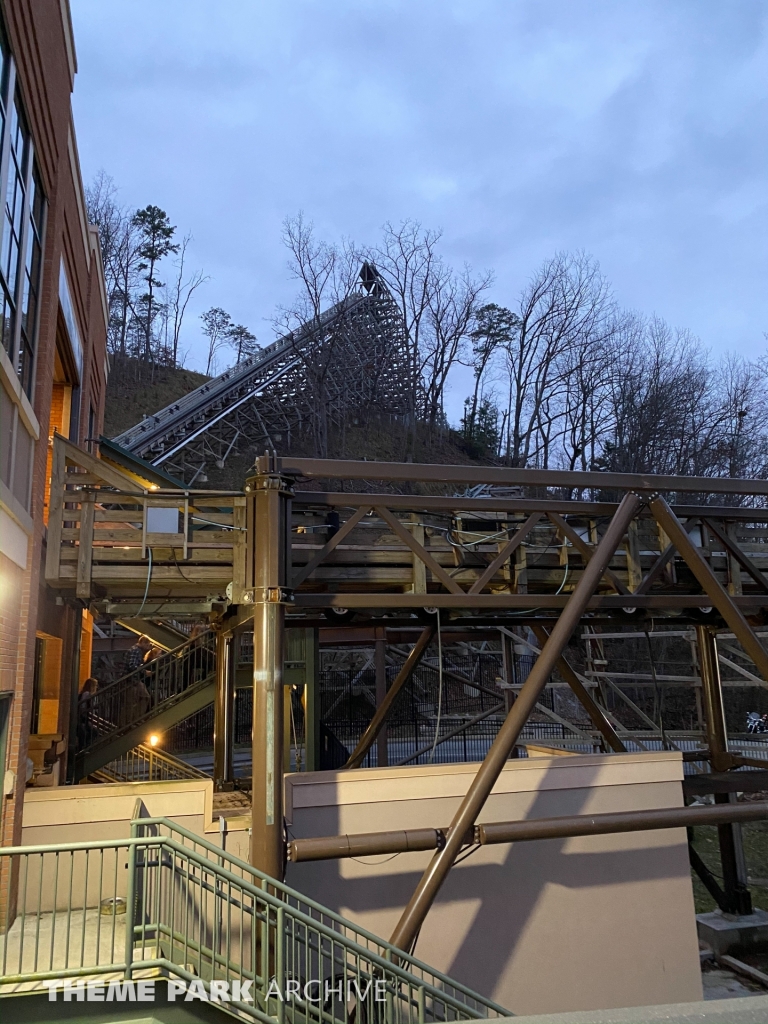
{"points": [[154, 739]]}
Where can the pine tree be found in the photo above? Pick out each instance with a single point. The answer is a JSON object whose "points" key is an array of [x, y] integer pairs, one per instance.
{"points": [[156, 242]]}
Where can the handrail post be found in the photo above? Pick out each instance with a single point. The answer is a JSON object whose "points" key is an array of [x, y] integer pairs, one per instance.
{"points": [[130, 906]]}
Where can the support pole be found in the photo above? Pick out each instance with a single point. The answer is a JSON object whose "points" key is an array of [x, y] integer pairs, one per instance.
{"points": [[414, 914], [271, 495], [223, 713], [380, 658], [366, 740], [737, 895]]}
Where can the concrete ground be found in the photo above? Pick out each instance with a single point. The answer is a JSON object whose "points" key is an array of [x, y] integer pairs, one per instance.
{"points": [[745, 1010]]}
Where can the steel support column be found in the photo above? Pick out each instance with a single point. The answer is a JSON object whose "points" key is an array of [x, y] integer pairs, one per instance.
{"points": [[737, 895], [271, 496], [223, 713], [414, 914]]}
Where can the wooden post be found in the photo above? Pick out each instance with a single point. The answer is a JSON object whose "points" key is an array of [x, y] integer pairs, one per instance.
{"points": [[85, 549]]}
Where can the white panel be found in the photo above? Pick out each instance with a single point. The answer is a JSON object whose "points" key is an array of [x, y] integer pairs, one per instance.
{"points": [[13, 540]]}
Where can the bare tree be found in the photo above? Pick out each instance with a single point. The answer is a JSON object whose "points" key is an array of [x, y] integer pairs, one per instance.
{"points": [[176, 299], [437, 310], [120, 244], [567, 302], [216, 326], [328, 275]]}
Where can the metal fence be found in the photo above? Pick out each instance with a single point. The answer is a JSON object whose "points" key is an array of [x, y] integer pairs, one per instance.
{"points": [[146, 763], [166, 901]]}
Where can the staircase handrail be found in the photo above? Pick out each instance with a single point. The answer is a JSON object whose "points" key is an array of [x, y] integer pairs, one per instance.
{"points": [[308, 907], [151, 684]]}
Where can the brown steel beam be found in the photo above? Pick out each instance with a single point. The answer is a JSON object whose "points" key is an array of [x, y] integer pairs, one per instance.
{"points": [[407, 538], [517, 602], [721, 599], [566, 827], [584, 549], [418, 907], [435, 503], [340, 469], [593, 709], [335, 540], [732, 548], [504, 554], [366, 740], [663, 560]]}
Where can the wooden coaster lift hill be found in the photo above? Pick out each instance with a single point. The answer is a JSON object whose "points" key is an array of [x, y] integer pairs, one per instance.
{"points": [[277, 555]]}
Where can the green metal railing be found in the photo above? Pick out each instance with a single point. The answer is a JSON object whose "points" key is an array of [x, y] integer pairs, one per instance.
{"points": [[139, 694], [192, 911]]}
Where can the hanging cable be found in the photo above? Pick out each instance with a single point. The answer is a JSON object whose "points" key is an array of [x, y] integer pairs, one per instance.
{"points": [[439, 686], [146, 589]]}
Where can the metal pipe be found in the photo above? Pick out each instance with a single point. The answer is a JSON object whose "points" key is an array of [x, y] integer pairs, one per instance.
{"points": [[366, 740], [566, 827], [720, 597], [619, 821], [414, 914]]}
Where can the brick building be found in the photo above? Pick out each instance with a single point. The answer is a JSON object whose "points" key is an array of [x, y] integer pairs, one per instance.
{"points": [[53, 372]]}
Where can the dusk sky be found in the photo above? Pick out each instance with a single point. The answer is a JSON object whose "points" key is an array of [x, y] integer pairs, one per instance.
{"points": [[636, 130]]}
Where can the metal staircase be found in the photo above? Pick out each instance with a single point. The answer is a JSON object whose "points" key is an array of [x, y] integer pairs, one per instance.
{"points": [[166, 903], [151, 699], [265, 397]]}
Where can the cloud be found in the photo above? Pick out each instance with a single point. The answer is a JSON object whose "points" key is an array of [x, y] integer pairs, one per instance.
{"points": [[632, 130]]}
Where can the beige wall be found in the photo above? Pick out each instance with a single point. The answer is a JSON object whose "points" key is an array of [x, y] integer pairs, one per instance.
{"points": [[540, 927], [104, 811]]}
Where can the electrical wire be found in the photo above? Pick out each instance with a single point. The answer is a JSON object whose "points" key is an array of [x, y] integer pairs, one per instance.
{"points": [[440, 686], [146, 589]]}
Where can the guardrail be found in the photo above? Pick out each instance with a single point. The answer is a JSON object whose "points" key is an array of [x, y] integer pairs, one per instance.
{"points": [[145, 763], [166, 902], [138, 694]]}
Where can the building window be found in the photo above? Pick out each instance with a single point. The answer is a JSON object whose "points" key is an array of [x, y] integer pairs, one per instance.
{"points": [[21, 227]]}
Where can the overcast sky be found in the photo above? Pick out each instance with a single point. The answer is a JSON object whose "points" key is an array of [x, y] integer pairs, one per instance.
{"points": [[634, 129]]}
